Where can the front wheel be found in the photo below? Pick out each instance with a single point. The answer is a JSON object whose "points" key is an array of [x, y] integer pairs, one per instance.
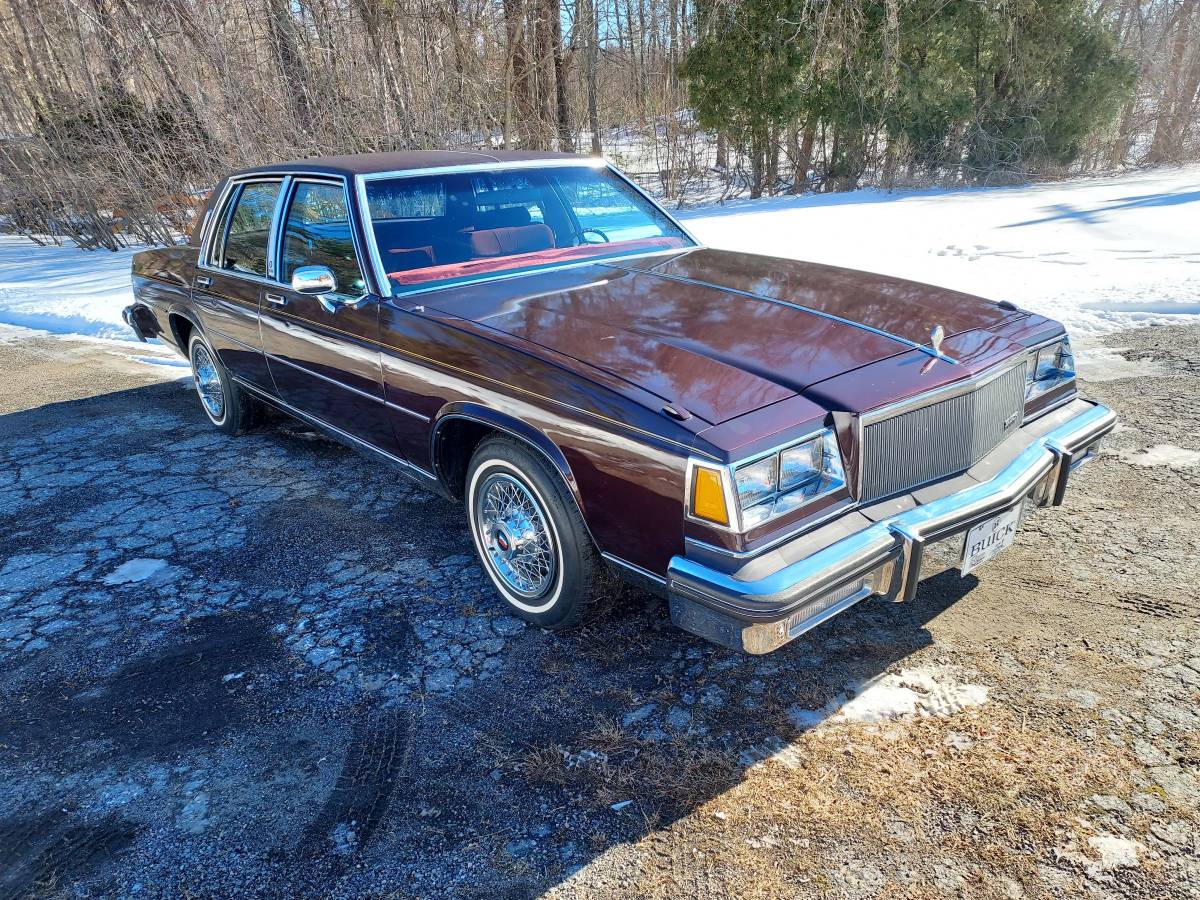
{"points": [[529, 535], [227, 406]]}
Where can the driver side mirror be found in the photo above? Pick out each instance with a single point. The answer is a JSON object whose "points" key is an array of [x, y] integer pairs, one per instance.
{"points": [[314, 280]]}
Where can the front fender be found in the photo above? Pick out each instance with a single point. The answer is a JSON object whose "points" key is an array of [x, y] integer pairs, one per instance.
{"points": [[476, 412], [628, 494]]}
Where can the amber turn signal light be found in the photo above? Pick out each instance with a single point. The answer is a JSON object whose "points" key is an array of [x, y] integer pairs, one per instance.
{"points": [[708, 496]]}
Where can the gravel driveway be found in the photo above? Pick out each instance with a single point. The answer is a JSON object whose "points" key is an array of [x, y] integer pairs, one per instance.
{"points": [[267, 666]]}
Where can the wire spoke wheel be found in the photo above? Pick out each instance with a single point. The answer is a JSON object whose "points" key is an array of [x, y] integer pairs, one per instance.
{"points": [[208, 382], [518, 545]]}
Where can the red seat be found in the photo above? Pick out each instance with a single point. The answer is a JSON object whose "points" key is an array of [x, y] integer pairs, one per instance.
{"points": [[511, 240], [405, 258]]}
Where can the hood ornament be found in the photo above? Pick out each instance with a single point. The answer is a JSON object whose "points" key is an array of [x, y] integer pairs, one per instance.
{"points": [[935, 341], [936, 337]]}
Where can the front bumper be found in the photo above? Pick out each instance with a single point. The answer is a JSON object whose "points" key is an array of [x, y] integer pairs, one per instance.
{"points": [[759, 612]]}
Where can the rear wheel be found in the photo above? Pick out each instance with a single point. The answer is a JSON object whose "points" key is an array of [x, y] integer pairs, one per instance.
{"points": [[227, 406], [530, 536]]}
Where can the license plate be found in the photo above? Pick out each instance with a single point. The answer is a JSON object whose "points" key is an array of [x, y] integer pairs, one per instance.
{"points": [[987, 539]]}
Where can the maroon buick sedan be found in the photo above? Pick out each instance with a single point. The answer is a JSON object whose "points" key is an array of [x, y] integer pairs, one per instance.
{"points": [[765, 442]]}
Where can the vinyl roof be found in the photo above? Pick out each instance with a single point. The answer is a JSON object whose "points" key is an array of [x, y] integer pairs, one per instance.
{"points": [[405, 160]]}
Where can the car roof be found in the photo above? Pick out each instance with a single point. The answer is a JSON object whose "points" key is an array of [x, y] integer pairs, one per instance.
{"points": [[407, 160]]}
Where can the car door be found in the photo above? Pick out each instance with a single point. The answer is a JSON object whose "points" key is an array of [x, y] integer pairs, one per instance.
{"points": [[323, 351], [231, 273]]}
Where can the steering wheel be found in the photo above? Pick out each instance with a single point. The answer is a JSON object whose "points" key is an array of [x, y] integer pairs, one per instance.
{"points": [[603, 237]]}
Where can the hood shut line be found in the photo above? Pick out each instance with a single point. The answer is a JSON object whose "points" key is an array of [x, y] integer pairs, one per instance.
{"points": [[928, 351]]}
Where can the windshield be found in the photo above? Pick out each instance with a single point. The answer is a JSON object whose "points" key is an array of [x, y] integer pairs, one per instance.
{"points": [[440, 229]]}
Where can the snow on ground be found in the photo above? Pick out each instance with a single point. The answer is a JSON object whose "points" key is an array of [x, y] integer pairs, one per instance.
{"points": [[134, 570], [1097, 253], [928, 691], [1167, 455], [64, 290], [888, 698]]}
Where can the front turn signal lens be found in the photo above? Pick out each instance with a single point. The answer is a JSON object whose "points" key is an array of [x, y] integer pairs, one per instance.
{"points": [[708, 496]]}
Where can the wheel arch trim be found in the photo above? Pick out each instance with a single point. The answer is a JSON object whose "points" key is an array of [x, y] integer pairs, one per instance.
{"points": [[484, 415], [514, 427], [183, 312]]}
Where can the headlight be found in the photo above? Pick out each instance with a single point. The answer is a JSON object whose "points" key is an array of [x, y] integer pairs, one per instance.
{"points": [[801, 464], [770, 485], [1052, 366], [757, 481]]}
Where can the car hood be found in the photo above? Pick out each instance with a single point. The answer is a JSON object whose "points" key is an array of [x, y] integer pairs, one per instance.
{"points": [[721, 334]]}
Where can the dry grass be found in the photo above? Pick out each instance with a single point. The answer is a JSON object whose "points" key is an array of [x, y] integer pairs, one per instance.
{"points": [[997, 802]]}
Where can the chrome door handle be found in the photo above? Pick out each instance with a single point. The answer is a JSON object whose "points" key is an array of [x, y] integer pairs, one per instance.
{"points": [[332, 304], [203, 281], [277, 299]]}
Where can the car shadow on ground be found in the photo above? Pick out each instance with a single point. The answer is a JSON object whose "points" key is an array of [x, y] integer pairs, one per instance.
{"points": [[266, 665]]}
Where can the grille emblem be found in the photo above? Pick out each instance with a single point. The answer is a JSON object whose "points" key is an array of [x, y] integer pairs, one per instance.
{"points": [[936, 337]]}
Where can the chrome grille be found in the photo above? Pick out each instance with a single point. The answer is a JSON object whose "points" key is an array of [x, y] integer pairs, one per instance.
{"points": [[945, 437]]}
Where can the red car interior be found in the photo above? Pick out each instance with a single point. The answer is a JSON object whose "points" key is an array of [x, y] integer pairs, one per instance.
{"points": [[520, 260]]}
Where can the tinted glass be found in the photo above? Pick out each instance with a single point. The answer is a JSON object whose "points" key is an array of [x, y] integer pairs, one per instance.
{"points": [[608, 209], [250, 227], [398, 200], [439, 229], [317, 233], [499, 193]]}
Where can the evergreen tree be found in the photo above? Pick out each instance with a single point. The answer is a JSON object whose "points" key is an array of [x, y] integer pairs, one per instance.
{"points": [[994, 89], [744, 70], [1046, 75]]}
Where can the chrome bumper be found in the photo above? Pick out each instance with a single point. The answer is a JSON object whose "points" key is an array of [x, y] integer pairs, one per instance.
{"points": [[128, 314], [760, 614]]}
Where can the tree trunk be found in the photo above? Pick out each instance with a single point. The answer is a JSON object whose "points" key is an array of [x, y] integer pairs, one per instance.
{"points": [[802, 158], [507, 133], [1188, 110], [281, 28], [772, 159], [1164, 146], [562, 110], [591, 64], [543, 70], [1120, 144], [521, 88], [757, 162], [1183, 109]]}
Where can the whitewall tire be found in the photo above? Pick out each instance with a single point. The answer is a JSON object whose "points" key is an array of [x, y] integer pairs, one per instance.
{"points": [[529, 535], [226, 405]]}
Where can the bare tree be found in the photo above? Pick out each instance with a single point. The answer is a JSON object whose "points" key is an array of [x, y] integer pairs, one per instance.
{"points": [[116, 116]]}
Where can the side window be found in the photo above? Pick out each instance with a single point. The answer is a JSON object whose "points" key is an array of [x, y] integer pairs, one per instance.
{"points": [[250, 229], [407, 198], [317, 233]]}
